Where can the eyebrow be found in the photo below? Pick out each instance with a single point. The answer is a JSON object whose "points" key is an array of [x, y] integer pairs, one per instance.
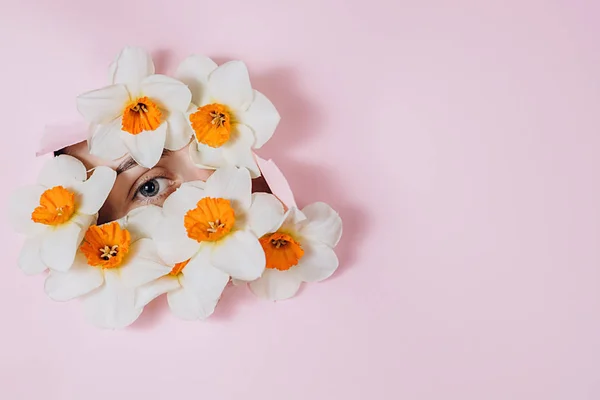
{"points": [[129, 162]]}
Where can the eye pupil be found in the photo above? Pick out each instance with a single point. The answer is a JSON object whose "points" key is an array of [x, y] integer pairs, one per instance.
{"points": [[150, 188]]}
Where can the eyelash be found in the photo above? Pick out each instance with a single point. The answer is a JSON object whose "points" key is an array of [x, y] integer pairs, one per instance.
{"points": [[149, 200]]}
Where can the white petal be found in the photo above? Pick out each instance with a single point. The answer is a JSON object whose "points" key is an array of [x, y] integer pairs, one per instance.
{"points": [[240, 255], [276, 285], [231, 183], [131, 66], [318, 262], [103, 105], [182, 200], [105, 141], [151, 290], [229, 84], [84, 221], [183, 304], [179, 131], [80, 279], [112, 305], [63, 170], [262, 117], [146, 147], [20, 207], [202, 286], [142, 222], [143, 264], [207, 157], [60, 243], [187, 305], [30, 261], [265, 214], [323, 225], [95, 190], [168, 93], [238, 150], [292, 219], [198, 184], [194, 72], [206, 281], [172, 241]]}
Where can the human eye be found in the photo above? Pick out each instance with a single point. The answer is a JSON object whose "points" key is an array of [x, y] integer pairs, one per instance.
{"points": [[153, 190]]}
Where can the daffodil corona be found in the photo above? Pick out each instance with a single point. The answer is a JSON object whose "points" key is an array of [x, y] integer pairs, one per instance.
{"points": [[218, 224], [109, 266], [300, 249], [139, 113], [55, 213], [228, 117]]}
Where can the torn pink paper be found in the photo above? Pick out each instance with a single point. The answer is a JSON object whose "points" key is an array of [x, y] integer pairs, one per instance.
{"points": [[56, 137], [276, 181]]}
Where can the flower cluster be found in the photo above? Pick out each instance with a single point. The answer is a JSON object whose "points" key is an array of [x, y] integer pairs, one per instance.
{"points": [[205, 235]]}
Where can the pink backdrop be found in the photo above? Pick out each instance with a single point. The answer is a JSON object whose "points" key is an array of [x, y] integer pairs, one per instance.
{"points": [[457, 139]]}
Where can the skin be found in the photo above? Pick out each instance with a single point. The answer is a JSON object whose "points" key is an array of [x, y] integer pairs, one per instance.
{"points": [[137, 186]]}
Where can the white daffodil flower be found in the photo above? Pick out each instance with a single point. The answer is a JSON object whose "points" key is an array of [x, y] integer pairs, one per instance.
{"points": [[55, 213], [219, 224], [193, 287], [109, 266], [299, 250], [228, 117], [140, 113]]}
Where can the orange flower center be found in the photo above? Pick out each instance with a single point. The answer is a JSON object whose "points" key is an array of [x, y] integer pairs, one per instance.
{"points": [[106, 245], [57, 205], [141, 115], [179, 267], [210, 220], [282, 252], [212, 124]]}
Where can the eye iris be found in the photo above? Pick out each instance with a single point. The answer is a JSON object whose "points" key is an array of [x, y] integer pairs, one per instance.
{"points": [[149, 188]]}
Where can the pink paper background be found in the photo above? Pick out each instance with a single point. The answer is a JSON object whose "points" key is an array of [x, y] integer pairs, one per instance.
{"points": [[458, 140]]}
